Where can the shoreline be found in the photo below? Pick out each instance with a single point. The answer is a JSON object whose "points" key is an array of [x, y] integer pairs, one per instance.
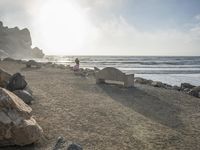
{"points": [[185, 87]]}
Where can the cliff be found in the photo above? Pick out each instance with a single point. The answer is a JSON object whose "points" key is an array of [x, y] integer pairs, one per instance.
{"points": [[17, 43]]}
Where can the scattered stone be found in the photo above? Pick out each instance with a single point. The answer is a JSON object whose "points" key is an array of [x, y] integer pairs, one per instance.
{"points": [[33, 63], [59, 143], [4, 78], [157, 84], [186, 90], [24, 95], [17, 126], [68, 67], [142, 81], [186, 86], [16, 82], [96, 69], [89, 71], [177, 88], [74, 147], [54, 65], [61, 66], [195, 91]]}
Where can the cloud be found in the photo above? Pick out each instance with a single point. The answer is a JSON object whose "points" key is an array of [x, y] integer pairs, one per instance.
{"points": [[197, 17], [117, 36], [110, 32]]}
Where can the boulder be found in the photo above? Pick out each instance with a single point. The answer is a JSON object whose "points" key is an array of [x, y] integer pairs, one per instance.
{"points": [[17, 126], [96, 69], [157, 84], [24, 95], [33, 63], [4, 78], [27, 88], [89, 71], [186, 86], [59, 143], [74, 146], [177, 88], [47, 64], [195, 91], [142, 81], [16, 82], [61, 66]]}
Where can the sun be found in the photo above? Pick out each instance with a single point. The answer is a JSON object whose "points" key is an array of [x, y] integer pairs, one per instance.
{"points": [[63, 27]]}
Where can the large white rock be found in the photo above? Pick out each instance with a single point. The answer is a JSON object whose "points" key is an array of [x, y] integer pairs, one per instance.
{"points": [[17, 126]]}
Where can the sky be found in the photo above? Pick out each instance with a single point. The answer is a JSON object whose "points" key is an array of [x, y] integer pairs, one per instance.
{"points": [[108, 27]]}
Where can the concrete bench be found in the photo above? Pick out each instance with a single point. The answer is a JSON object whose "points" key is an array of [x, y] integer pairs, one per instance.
{"points": [[114, 74]]}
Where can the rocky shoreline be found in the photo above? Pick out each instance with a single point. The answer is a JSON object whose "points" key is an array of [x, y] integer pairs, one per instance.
{"points": [[184, 87]]}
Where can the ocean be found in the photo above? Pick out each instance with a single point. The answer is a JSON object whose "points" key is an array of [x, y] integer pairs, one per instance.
{"points": [[171, 70]]}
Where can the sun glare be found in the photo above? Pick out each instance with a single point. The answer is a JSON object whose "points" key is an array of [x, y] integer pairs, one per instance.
{"points": [[63, 26]]}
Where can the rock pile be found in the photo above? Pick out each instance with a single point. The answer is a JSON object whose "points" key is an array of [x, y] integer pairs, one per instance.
{"points": [[17, 126], [33, 63], [17, 84], [185, 87]]}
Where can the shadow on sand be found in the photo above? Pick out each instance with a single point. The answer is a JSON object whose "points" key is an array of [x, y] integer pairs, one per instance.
{"points": [[146, 104]]}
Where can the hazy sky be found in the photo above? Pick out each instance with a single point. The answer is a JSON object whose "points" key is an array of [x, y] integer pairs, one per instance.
{"points": [[108, 27]]}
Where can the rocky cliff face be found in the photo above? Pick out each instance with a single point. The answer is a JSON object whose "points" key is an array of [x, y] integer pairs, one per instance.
{"points": [[17, 43]]}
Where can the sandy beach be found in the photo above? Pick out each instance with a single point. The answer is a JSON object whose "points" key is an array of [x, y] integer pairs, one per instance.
{"points": [[108, 116]]}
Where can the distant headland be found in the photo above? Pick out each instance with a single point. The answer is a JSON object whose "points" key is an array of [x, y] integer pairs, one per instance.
{"points": [[17, 43]]}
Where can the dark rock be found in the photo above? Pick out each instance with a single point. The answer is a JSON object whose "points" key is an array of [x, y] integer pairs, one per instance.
{"points": [[142, 81], [54, 65], [186, 86], [1, 24], [157, 84], [48, 64], [177, 88], [61, 66], [16, 82], [89, 71], [27, 88], [195, 91], [24, 95], [74, 147], [33, 63], [96, 69], [59, 143]]}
